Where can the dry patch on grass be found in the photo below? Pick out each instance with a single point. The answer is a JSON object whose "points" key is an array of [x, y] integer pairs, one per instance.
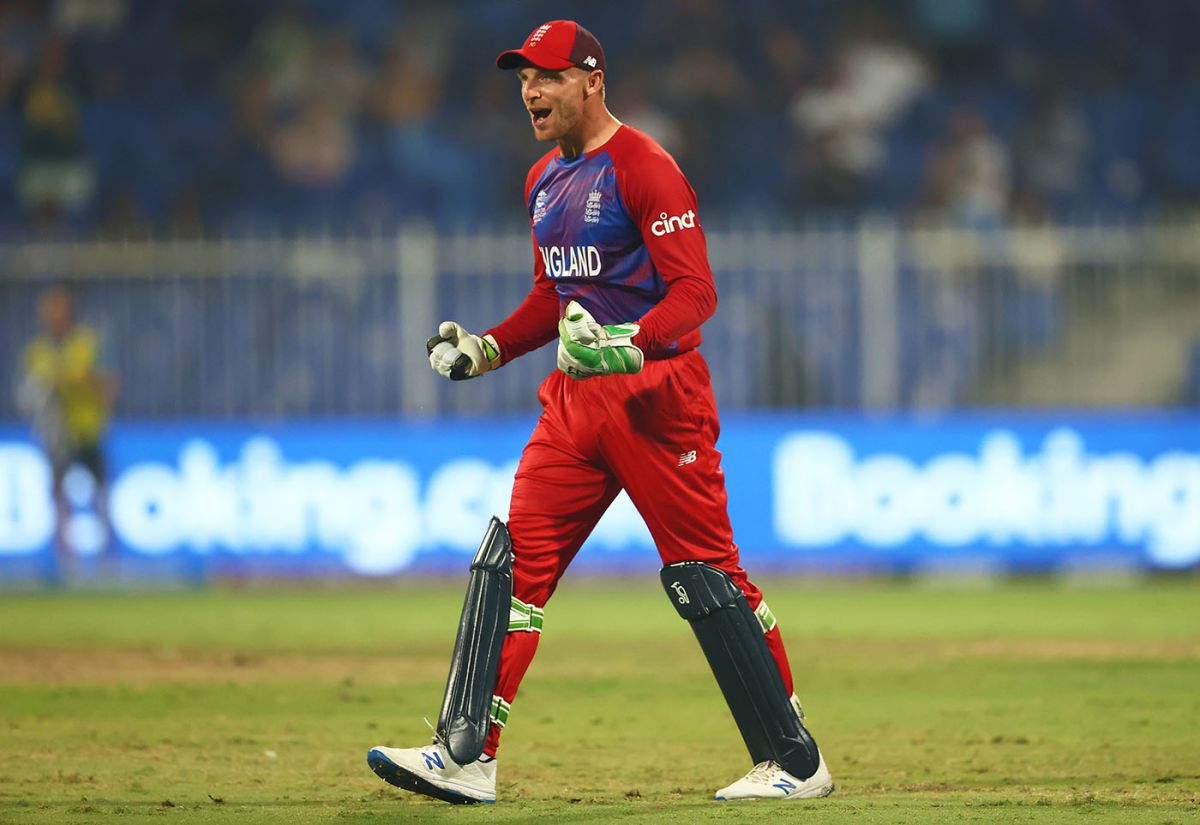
{"points": [[1177, 650], [138, 667], [1137, 792], [914, 654], [27, 666]]}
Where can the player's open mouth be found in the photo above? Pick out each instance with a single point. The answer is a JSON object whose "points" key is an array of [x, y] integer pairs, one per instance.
{"points": [[539, 116]]}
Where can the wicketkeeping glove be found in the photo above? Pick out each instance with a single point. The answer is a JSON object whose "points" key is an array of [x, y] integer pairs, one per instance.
{"points": [[586, 349], [458, 355]]}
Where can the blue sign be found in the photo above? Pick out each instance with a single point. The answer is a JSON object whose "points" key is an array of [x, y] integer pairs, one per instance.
{"points": [[1011, 491]]}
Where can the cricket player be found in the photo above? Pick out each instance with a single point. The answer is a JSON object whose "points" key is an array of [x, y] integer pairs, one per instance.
{"points": [[622, 280], [68, 392]]}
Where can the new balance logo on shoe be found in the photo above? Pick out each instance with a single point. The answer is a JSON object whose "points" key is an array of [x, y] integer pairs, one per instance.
{"points": [[768, 780], [785, 786], [687, 458], [429, 770]]}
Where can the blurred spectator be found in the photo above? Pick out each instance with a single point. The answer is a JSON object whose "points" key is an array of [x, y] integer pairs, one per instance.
{"points": [[316, 148], [789, 63], [252, 115], [282, 50], [1052, 148], [336, 74], [969, 177], [630, 96], [871, 77], [56, 175], [1039, 256], [702, 85], [405, 90], [68, 392]]}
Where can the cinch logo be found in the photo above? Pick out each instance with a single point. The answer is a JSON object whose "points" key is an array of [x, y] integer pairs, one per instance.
{"points": [[666, 225], [571, 261]]}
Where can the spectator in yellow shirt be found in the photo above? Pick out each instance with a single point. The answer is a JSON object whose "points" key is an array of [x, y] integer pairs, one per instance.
{"points": [[68, 393]]}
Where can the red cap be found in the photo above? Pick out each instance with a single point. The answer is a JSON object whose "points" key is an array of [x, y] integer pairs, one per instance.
{"points": [[559, 44]]}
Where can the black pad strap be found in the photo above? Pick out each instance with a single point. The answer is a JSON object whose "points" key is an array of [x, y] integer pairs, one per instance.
{"points": [[465, 716], [732, 640]]}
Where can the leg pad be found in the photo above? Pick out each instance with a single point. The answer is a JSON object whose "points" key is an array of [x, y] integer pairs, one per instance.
{"points": [[466, 708], [731, 636]]}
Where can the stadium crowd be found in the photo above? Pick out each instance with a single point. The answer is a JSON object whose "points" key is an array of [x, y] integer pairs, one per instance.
{"points": [[184, 116]]}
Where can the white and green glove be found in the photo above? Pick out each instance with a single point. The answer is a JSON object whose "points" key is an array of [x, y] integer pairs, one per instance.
{"points": [[587, 349], [458, 355]]}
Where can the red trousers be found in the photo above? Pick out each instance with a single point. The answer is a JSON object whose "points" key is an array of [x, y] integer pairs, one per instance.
{"points": [[652, 434]]}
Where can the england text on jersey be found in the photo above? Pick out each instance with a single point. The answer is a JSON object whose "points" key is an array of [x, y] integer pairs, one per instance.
{"points": [[571, 261]]}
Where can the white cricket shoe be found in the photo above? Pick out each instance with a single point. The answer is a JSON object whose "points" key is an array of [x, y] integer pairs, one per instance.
{"points": [[767, 780], [432, 772]]}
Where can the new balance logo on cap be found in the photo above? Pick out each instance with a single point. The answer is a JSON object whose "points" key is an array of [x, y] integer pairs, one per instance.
{"points": [[590, 61]]}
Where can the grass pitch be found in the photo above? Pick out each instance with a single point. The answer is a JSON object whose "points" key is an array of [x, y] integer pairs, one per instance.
{"points": [[1027, 702]]}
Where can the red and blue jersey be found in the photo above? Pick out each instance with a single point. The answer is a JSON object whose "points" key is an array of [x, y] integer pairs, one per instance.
{"points": [[617, 230]]}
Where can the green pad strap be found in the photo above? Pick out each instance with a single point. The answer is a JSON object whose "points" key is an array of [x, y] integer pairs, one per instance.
{"points": [[765, 617], [620, 360], [622, 330], [523, 616], [500, 710], [489, 349]]}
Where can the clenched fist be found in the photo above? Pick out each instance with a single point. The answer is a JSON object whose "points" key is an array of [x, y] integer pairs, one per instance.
{"points": [[459, 355]]}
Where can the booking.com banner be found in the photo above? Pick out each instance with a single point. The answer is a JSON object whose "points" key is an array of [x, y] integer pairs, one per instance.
{"points": [[1002, 492]]}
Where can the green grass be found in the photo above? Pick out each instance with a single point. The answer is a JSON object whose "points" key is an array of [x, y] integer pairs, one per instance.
{"points": [[1023, 702]]}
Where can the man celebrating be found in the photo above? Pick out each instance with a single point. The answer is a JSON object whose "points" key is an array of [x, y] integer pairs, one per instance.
{"points": [[621, 277]]}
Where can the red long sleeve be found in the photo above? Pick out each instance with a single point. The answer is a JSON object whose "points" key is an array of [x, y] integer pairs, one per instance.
{"points": [[689, 302], [534, 322], [655, 191]]}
